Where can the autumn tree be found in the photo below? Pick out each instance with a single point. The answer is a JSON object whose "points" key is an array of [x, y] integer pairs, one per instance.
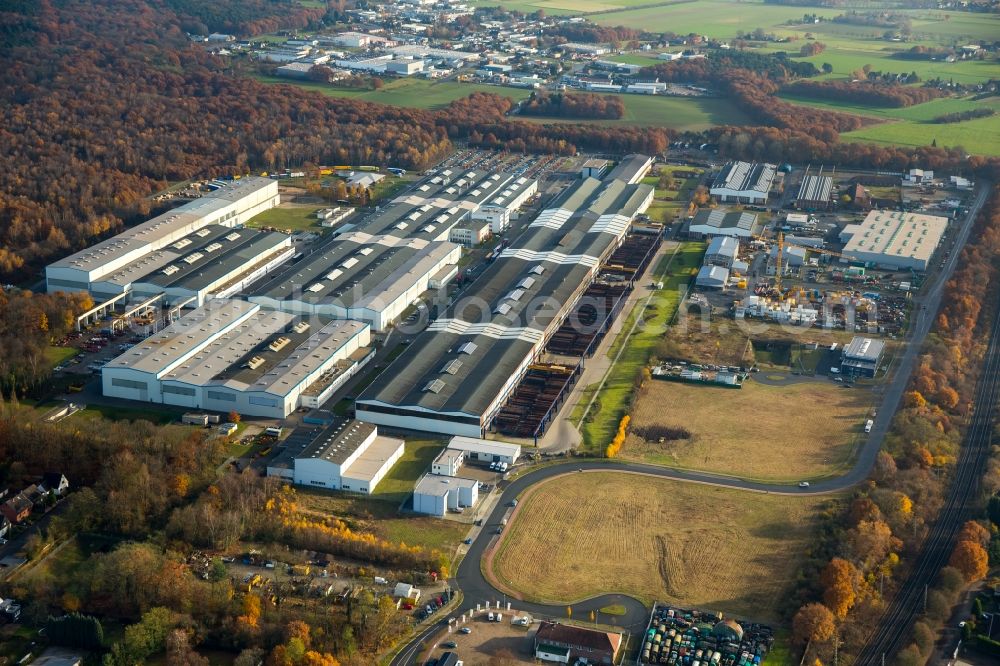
{"points": [[839, 580], [813, 623], [975, 532], [971, 559]]}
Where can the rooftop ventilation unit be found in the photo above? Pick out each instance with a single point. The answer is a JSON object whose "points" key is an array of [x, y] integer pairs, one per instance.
{"points": [[279, 344], [301, 327], [255, 362]]}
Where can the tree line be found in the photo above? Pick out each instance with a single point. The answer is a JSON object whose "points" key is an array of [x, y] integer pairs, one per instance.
{"points": [[867, 93], [865, 548], [961, 116], [573, 105], [29, 323]]}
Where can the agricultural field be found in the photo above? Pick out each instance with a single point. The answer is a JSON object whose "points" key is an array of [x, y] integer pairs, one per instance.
{"points": [[768, 433], [412, 93], [290, 217], [686, 544]]}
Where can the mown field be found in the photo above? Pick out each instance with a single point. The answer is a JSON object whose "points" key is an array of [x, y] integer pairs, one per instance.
{"points": [[413, 93], [911, 126], [681, 113], [768, 433], [292, 217], [693, 545]]}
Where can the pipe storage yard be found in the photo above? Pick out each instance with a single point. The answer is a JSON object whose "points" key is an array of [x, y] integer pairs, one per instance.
{"points": [[457, 375]]}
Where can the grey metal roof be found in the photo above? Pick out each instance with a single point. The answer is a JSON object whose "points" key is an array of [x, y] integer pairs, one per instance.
{"points": [[723, 245], [544, 262], [152, 231], [630, 168], [745, 177], [470, 390], [338, 441], [864, 349], [721, 219], [351, 270], [815, 188], [222, 251]]}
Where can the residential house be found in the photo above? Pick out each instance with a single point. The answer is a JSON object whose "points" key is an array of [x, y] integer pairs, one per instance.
{"points": [[55, 483], [17, 508]]}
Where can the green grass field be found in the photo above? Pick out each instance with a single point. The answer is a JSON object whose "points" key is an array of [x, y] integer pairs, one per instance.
{"points": [[293, 217], [910, 126], [602, 421], [56, 355], [417, 457], [680, 113], [413, 93]]}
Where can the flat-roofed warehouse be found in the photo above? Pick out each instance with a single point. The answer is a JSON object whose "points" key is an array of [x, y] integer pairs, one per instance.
{"points": [[743, 182], [458, 373], [894, 240], [446, 198], [218, 264], [346, 455], [234, 355], [232, 204], [357, 276]]}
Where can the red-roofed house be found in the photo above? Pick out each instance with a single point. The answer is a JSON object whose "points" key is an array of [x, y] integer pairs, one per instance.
{"points": [[564, 643]]}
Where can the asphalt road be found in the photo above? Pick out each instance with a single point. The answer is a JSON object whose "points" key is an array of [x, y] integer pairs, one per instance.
{"points": [[476, 589]]}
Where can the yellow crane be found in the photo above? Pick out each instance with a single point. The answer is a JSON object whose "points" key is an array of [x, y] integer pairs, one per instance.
{"points": [[780, 257]]}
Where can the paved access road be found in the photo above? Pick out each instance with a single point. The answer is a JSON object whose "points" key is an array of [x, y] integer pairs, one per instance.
{"points": [[476, 589]]}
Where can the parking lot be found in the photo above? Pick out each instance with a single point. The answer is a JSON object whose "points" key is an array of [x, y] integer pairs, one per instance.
{"points": [[485, 640]]}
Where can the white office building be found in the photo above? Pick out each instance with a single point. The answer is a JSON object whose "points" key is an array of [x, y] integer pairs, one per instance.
{"points": [[434, 494]]}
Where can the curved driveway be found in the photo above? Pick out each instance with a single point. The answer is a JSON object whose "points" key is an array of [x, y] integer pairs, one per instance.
{"points": [[476, 589]]}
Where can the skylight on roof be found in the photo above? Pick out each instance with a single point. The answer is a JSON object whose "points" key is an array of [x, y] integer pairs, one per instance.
{"points": [[315, 287], [452, 367], [434, 386], [468, 348], [233, 236]]}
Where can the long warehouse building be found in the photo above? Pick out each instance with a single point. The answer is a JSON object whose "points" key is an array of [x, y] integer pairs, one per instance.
{"points": [[231, 205], [233, 355], [357, 276], [457, 374]]}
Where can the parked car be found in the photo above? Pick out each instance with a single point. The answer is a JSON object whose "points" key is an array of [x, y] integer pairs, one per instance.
{"points": [[803, 484], [450, 645], [465, 630]]}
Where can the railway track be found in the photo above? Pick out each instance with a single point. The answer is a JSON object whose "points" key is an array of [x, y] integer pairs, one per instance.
{"points": [[908, 603]]}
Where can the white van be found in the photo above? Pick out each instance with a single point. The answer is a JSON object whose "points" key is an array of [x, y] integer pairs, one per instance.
{"points": [[869, 425]]}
